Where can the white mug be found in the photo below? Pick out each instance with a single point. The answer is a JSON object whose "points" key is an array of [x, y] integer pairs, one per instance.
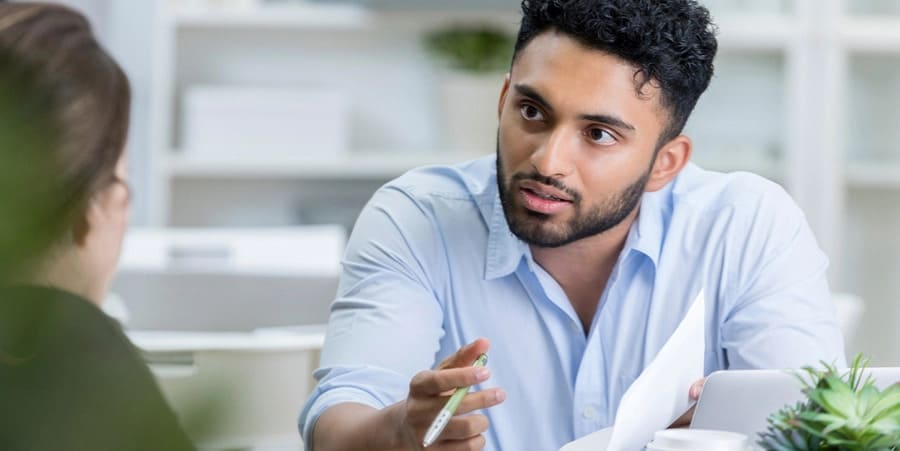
{"points": [[698, 440]]}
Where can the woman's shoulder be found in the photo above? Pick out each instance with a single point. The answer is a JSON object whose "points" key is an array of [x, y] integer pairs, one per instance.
{"points": [[74, 376]]}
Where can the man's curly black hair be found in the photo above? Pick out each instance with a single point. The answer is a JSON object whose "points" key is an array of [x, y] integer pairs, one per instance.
{"points": [[670, 42]]}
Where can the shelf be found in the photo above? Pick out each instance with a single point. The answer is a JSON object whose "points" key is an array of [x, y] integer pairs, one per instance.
{"points": [[873, 175], [762, 32], [275, 17], [871, 34], [359, 165], [264, 340]]}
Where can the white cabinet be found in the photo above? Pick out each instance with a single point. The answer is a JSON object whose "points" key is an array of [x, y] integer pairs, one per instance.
{"points": [[806, 93]]}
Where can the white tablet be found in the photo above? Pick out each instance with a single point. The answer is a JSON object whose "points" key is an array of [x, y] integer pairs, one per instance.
{"points": [[741, 400]]}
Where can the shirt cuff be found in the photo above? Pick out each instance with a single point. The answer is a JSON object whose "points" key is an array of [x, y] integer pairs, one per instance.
{"points": [[322, 400]]}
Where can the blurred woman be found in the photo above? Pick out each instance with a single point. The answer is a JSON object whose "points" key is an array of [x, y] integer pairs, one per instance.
{"points": [[69, 377]]}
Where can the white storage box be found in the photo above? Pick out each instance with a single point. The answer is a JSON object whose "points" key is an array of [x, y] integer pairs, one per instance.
{"points": [[228, 279], [277, 251], [247, 121]]}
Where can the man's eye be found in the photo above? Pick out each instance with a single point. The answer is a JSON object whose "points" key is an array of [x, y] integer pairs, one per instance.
{"points": [[531, 113], [601, 136]]}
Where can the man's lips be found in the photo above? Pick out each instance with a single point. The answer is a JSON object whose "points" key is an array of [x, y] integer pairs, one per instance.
{"points": [[542, 198], [545, 191]]}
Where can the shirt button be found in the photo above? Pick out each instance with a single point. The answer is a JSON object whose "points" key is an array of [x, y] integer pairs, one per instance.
{"points": [[589, 413]]}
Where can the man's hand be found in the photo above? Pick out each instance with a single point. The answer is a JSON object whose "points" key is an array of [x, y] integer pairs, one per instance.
{"points": [[694, 393], [402, 426], [429, 391]]}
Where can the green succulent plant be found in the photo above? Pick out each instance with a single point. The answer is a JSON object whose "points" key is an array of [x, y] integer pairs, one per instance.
{"points": [[842, 412], [473, 48]]}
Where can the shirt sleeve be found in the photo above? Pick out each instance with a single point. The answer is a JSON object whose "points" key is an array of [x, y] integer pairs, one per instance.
{"points": [[386, 321], [783, 315]]}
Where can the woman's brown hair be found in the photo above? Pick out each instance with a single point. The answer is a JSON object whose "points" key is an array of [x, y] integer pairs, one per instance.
{"points": [[88, 94]]}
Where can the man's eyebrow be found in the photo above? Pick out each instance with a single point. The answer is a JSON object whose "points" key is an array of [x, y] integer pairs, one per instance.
{"points": [[607, 119], [529, 92], [611, 120]]}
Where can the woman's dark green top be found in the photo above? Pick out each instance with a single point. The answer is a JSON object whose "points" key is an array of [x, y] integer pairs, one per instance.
{"points": [[71, 380]]}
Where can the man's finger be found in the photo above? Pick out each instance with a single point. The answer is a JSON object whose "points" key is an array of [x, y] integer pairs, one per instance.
{"points": [[466, 355], [476, 443], [696, 389], [483, 399], [433, 383]]}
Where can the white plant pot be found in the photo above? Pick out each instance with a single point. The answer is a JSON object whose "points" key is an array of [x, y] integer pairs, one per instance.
{"points": [[469, 104]]}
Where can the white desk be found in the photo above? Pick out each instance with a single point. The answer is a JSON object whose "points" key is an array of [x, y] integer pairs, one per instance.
{"points": [[236, 390]]}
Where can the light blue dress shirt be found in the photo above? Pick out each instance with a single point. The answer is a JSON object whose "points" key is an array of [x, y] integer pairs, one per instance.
{"points": [[432, 265]]}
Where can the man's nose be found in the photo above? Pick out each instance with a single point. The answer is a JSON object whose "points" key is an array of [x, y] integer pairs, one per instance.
{"points": [[554, 157]]}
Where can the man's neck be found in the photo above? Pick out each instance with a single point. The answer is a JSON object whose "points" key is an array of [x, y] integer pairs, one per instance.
{"points": [[583, 268]]}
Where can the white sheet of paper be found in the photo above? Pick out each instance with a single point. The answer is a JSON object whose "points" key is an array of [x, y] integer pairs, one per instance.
{"points": [[660, 393], [596, 441]]}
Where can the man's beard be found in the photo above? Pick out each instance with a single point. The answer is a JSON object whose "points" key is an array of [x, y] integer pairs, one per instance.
{"points": [[534, 228]]}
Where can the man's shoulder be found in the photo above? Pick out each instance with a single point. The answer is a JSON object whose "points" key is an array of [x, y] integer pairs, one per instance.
{"points": [[434, 199], [466, 181], [713, 208], [742, 192]]}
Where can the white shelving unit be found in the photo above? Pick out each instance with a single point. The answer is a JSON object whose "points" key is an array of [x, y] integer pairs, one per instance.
{"points": [[805, 93], [373, 55], [866, 125]]}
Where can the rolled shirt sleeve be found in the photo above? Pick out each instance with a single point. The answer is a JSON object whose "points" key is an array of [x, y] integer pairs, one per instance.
{"points": [[386, 322]]}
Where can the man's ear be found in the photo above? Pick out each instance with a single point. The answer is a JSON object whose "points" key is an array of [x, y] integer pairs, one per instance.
{"points": [[503, 91], [670, 160]]}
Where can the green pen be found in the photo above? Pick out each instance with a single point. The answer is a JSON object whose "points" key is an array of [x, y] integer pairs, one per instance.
{"points": [[450, 408]]}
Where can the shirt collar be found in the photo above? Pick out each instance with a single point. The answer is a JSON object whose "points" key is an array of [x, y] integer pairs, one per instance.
{"points": [[504, 250], [647, 235]]}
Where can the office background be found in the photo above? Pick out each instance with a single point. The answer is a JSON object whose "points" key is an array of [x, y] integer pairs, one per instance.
{"points": [[806, 93], [252, 118]]}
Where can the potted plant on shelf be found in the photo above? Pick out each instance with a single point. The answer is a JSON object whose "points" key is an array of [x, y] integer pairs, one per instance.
{"points": [[475, 59], [842, 412]]}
